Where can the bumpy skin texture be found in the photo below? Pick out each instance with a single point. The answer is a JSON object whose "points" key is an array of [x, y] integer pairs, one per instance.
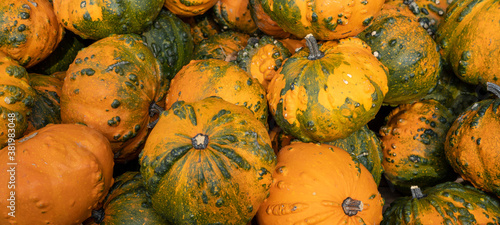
{"points": [[328, 98], [310, 183], [472, 145], [446, 203], [264, 22], [17, 99], [408, 52], [110, 87], [234, 15], [326, 20], [213, 168], [97, 19], [63, 171], [469, 40], [189, 8], [202, 27], [212, 77], [223, 46], [30, 30], [413, 145]]}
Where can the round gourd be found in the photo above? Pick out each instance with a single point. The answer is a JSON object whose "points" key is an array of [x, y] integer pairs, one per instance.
{"points": [[326, 20], [413, 145], [189, 8], [207, 162], [234, 15], [223, 46], [97, 19], [62, 172], [408, 52], [111, 87], [445, 203], [264, 22], [327, 93], [320, 184], [30, 31], [202, 27]]}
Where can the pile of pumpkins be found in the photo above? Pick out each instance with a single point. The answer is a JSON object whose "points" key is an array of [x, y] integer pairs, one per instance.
{"points": [[249, 112]]}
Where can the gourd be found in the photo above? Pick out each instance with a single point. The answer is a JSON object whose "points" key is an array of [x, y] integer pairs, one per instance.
{"points": [[264, 22], [223, 46], [234, 15], [189, 8]]}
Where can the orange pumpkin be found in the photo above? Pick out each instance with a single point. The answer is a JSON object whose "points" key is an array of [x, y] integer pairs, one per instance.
{"points": [[234, 15], [264, 22]]}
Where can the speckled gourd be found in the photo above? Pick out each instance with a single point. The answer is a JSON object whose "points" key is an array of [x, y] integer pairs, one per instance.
{"points": [[189, 8], [223, 46], [264, 22], [234, 15]]}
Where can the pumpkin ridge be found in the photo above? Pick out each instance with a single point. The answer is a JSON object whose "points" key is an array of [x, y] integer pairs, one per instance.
{"points": [[232, 156]]}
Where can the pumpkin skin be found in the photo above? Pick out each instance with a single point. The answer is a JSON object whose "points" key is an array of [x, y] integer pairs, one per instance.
{"points": [[264, 22], [18, 98], [311, 183], [234, 15], [110, 87], [262, 57], [329, 97], [202, 27], [98, 19], [62, 169], [214, 168], [445, 203], [468, 40], [212, 77], [408, 52], [326, 20], [189, 8], [293, 45], [472, 145], [413, 145], [223, 46], [30, 31]]}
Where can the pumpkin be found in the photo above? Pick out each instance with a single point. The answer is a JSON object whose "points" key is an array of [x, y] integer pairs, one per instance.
{"points": [[413, 145], [30, 31], [111, 86], [61, 173], [223, 46], [320, 184], [279, 138], [408, 52], [214, 168], [262, 57], [264, 22], [472, 144], [202, 27], [170, 40], [328, 92], [445, 203], [293, 45], [326, 20], [18, 97], [127, 203], [468, 40], [189, 8], [212, 77], [98, 19], [234, 15]]}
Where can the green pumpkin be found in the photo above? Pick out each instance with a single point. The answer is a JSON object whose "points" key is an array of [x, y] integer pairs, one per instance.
{"points": [[445, 203], [223, 46], [46, 108]]}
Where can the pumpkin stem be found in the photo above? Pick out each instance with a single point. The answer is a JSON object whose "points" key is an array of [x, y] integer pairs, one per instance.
{"points": [[352, 206], [153, 110], [312, 44], [98, 215], [200, 141], [416, 192], [495, 89]]}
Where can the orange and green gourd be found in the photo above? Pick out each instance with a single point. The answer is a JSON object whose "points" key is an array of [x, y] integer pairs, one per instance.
{"points": [[92, 19], [327, 92], [445, 203], [320, 184], [413, 145], [223, 46], [264, 22], [30, 30], [234, 15], [408, 52], [112, 86], [469, 40], [214, 168], [212, 77], [202, 27], [17, 100], [189, 8], [472, 144], [325, 19], [63, 172]]}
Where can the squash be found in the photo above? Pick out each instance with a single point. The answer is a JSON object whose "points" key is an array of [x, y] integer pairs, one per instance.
{"points": [[293, 45], [111, 86], [320, 184], [445, 203], [264, 22], [468, 40], [326, 20], [30, 31], [91, 19], [207, 162], [328, 92], [408, 52], [189, 8], [61, 172], [234, 15], [413, 145], [223, 46], [212, 77], [202, 27], [472, 144], [17, 100]]}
